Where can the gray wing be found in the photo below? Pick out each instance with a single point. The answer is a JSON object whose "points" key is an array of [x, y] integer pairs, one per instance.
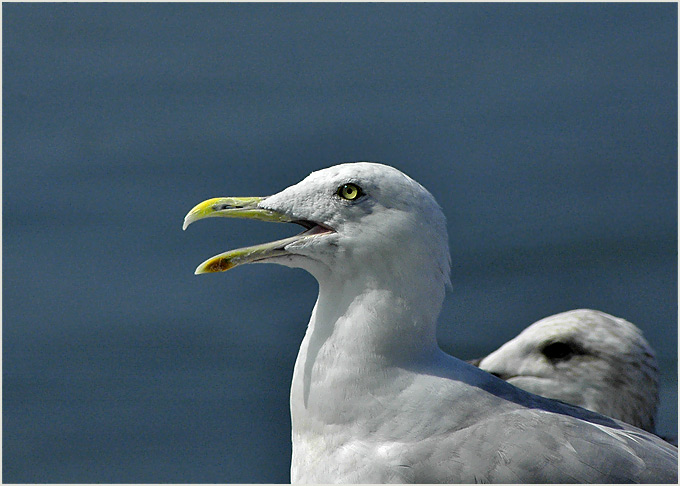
{"points": [[560, 448], [501, 434], [537, 446]]}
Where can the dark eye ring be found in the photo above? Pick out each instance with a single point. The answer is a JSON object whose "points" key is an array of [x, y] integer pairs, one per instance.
{"points": [[349, 191]]}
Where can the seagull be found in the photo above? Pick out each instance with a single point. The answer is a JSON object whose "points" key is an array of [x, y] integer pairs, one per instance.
{"points": [[587, 358], [373, 398]]}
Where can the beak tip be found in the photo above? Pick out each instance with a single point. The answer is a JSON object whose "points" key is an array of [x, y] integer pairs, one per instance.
{"points": [[188, 219]]}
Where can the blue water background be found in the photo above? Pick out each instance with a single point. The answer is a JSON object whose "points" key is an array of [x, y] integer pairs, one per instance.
{"points": [[548, 133]]}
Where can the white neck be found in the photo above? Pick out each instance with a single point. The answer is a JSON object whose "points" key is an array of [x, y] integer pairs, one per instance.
{"points": [[359, 333]]}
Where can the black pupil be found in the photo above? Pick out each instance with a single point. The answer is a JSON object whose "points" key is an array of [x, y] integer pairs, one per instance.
{"points": [[558, 351]]}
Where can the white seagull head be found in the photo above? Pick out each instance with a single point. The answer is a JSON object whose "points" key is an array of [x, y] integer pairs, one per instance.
{"points": [[360, 218], [587, 358]]}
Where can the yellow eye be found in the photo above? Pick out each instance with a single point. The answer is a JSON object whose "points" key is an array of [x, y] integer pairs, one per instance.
{"points": [[349, 192]]}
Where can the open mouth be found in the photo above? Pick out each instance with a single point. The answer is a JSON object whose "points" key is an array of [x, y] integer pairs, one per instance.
{"points": [[312, 227], [248, 207]]}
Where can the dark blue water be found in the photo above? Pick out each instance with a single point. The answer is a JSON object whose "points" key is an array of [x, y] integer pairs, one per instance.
{"points": [[548, 133]]}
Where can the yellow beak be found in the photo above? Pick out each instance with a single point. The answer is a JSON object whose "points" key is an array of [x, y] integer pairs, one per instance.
{"points": [[248, 208], [233, 207]]}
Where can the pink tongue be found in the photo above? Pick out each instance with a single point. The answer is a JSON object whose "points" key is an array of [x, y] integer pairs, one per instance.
{"points": [[315, 230]]}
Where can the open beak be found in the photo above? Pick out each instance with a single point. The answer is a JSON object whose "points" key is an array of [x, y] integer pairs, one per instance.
{"points": [[248, 208]]}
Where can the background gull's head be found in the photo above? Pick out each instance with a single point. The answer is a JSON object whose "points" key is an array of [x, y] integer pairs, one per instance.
{"points": [[587, 358]]}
